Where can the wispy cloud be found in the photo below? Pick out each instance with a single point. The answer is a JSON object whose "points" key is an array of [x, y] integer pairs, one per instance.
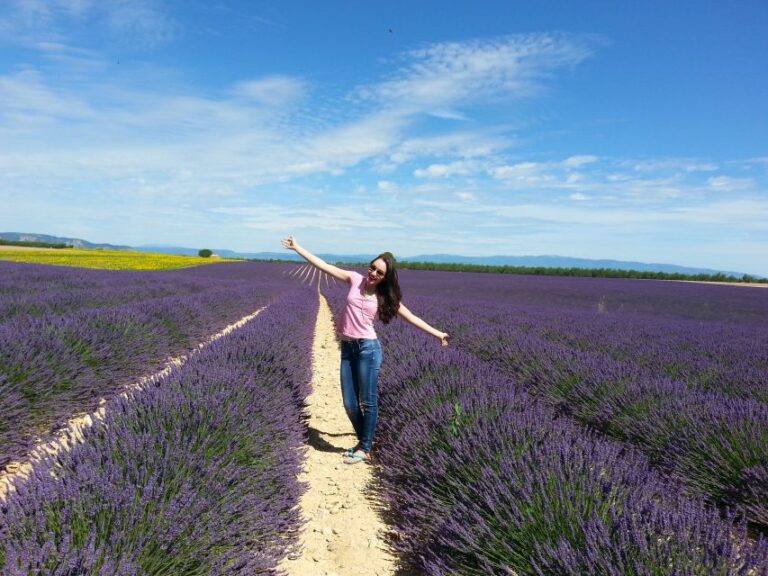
{"points": [[278, 217], [445, 75], [457, 168], [729, 184], [140, 20], [135, 23], [675, 164], [251, 132], [578, 161], [482, 142]]}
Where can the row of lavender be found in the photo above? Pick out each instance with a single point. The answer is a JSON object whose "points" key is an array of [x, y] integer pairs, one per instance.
{"points": [[194, 474], [36, 290], [716, 444], [482, 478], [631, 298], [710, 337], [727, 357], [107, 328]]}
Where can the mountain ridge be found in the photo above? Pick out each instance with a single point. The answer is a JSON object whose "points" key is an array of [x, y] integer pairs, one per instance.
{"points": [[543, 261]]}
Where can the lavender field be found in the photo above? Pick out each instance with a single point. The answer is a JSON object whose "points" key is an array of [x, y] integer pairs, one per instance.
{"points": [[194, 473], [577, 426], [678, 371], [71, 336], [574, 426]]}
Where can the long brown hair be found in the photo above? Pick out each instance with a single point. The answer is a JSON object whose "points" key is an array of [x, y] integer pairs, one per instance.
{"points": [[388, 290]]}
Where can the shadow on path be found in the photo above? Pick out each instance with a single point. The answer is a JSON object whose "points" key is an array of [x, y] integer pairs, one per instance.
{"points": [[319, 443]]}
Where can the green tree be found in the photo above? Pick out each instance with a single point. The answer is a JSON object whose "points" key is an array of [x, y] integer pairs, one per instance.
{"points": [[205, 253]]}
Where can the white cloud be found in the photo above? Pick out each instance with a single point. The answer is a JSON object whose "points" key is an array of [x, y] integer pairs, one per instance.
{"points": [[141, 21], [135, 23], [458, 168], [79, 62], [522, 170], [464, 145], [351, 143], [526, 176], [442, 76], [578, 161], [675, 164], [740, 214], [276, 218], [271, 91], [26, 97], [732, 215], [728, 184]]}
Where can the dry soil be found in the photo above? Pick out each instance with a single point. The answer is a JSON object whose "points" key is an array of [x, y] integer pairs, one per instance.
{"points": [[343, 534]]}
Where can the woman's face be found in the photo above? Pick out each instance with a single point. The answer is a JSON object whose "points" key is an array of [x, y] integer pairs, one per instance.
{"points": [[376, 272]]}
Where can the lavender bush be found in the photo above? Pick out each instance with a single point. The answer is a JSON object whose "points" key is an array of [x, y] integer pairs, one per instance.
{"points": [[60, 354], [196, 474]]}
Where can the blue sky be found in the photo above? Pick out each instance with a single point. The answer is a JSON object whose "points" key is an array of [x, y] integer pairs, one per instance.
{"points": [[602, 129]]}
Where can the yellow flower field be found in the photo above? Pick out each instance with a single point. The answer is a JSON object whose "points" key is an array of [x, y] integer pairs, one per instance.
{"points": [[105, 259]]}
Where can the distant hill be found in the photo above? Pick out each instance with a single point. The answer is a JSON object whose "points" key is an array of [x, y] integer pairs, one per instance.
{"points": [[528, 261], [74, 242]]}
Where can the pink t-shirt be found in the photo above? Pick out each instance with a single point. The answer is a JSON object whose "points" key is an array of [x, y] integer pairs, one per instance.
{"points": [[360, 310]]}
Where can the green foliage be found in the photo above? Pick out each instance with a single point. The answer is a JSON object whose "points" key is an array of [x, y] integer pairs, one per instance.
{"points": [[456, 419], [550, 271], [32, 244], [582, 272], [205, 253]]}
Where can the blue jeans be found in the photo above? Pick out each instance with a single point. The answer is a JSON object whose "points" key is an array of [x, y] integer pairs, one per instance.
{"points": [[360, 363]]}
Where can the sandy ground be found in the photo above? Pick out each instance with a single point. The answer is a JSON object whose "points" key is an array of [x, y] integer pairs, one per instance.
{"points": [[343, 534], [73, 431]]}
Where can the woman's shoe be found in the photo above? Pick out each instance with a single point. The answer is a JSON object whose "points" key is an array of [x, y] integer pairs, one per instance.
{"points": [[353, 458]]}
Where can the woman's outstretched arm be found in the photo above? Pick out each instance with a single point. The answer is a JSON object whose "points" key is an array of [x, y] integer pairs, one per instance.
{"points": [[414, 320], [338, 273]]}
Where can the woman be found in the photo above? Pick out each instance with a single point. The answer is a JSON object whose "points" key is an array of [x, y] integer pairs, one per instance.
{"points": [[377, 294]]}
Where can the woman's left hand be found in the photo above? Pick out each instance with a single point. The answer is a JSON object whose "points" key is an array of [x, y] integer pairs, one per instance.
{"points": [[290, 243], [444, 338]]}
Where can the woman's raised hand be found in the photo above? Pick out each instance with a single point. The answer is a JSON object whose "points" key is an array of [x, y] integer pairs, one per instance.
{"points": [[290, 243]]}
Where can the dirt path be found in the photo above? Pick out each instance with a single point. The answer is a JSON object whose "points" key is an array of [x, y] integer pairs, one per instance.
{"points": [[73, 431], [343, 534]]}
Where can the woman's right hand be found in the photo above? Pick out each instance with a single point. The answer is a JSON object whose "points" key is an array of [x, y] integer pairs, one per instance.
{"points": [[290, 243]]}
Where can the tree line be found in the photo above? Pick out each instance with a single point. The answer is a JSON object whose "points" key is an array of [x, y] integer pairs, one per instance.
{"points": [[30, 244], [555, 271], [582, 272]]}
